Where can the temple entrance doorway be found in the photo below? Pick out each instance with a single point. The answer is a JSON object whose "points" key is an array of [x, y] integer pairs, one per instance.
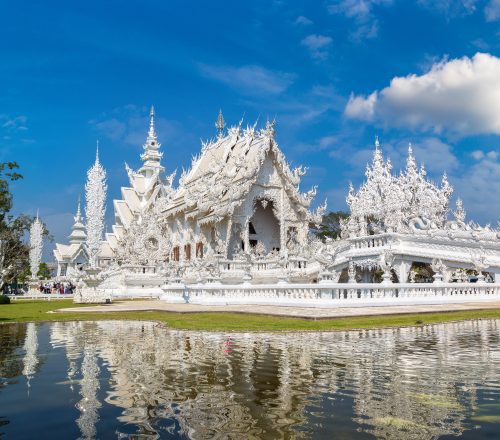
{"points": [[264, 227]]}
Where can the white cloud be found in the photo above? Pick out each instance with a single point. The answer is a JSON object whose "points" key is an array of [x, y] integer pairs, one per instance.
{"points": [[249, 79], [13, 123], [493, 155], [437, 155], [479, 184], [317, 45], [460, 96], [303, 21], [450, 8], [362, 12], [129, 124], [492, 10], [479, 155], [360, 107]]}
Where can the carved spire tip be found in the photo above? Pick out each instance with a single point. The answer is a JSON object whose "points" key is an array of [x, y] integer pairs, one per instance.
{"points": [[97, 151], [220, 123]]}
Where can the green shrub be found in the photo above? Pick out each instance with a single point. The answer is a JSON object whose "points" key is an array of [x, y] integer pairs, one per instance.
{"points": [[4, 299]]}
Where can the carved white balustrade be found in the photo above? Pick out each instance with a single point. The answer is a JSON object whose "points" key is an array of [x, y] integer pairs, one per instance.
{"points": [[332, 295]]}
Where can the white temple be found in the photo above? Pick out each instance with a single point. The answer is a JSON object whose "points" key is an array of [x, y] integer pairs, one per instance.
{"points": [[239, 226], [74, 255]]}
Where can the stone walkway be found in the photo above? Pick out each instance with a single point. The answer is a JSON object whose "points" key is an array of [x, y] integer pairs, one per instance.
{"points": [[298, 312]]}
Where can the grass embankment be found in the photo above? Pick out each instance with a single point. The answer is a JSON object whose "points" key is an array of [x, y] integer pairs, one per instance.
{"points": [[25, 311]]}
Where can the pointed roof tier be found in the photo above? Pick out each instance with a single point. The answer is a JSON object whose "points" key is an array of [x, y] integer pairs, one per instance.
{"points": [[227, 168], [152, 155], [78, 234]]}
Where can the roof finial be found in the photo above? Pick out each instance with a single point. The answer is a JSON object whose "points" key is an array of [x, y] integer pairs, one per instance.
{"points": [[377, 143], [220, 124], [78, 212], [152, 122], [152, 116], [271, 127], [97, 151]]}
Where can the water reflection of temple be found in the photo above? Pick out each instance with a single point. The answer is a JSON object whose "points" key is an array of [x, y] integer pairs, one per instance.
{"points": [[416, 381]]}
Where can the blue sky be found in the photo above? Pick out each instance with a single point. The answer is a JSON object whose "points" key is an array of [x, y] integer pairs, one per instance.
{"points": [[333, 73]]}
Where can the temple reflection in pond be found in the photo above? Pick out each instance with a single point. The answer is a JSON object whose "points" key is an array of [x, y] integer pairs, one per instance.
{"points": [[419, 381]]}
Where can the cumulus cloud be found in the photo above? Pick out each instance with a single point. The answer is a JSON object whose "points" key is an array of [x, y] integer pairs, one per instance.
{"points": [[317, 45], [362, 13], [460, 96], [249, 79]]}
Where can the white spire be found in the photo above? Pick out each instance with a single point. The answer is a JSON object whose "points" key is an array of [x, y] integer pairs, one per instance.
{"points": [[36, 246], [220, 124], [95, 210], [78, 234], [411, 164], [78, 217], [151, 155], [459, 212], [152, 132]]}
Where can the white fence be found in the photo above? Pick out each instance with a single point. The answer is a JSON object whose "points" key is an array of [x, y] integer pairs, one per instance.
{"points": [[332, 295], [41, 296]]}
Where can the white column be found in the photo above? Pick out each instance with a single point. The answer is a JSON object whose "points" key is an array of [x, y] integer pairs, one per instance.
{"points": [[246, 234], [282, 223]]}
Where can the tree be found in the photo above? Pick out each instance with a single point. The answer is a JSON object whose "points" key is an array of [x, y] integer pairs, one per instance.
{"points": [[330, 225], [44, 271], [13, 229], [7, 174]]}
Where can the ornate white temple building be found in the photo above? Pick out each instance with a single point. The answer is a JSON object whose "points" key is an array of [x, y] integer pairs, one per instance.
{"points": [[238, 218]]}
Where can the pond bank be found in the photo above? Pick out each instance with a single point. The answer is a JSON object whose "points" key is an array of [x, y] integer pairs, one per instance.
{"points": [[218, 319], [283, 311]]}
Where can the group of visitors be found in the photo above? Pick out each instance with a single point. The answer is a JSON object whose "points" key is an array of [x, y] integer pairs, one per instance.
{"points": [[57, 287]]}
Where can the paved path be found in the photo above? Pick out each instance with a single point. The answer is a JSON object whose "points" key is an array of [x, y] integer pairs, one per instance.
{"points": [[300, 312]]}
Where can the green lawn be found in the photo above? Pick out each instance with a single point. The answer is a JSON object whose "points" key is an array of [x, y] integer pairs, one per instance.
{"points": [[23, 311]]}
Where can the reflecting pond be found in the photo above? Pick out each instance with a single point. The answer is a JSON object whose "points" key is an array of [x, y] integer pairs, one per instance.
{"points": [[140, 380]]}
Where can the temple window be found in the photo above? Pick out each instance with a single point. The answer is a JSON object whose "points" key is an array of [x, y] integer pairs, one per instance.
{"points": [[251, 229], [175, 253], [199, 250], [187, 252]]}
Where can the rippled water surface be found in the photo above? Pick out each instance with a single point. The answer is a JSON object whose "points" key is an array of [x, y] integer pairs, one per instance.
{"points": [[142, 380]]}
